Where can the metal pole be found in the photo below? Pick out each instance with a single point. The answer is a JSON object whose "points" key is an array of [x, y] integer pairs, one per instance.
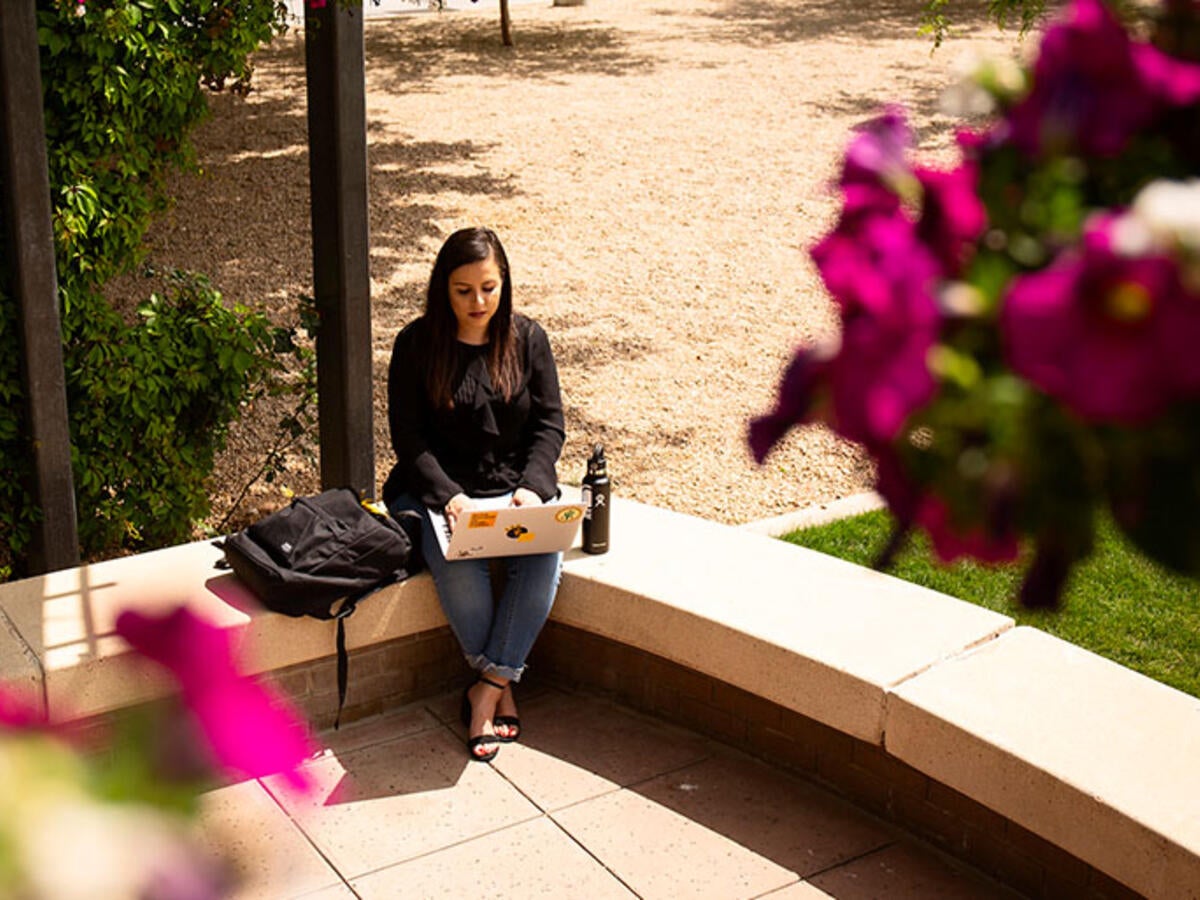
{"points": [[34, 287], [337, 138]]}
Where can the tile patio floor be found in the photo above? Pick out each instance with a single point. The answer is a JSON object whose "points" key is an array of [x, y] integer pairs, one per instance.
{"points": [[596, 801]]}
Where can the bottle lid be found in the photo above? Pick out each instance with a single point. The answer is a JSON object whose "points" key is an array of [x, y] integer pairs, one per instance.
{"points": [[597, 464]]}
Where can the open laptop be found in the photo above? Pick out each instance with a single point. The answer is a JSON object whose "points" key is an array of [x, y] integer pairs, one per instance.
{"points": [[493, 528]]}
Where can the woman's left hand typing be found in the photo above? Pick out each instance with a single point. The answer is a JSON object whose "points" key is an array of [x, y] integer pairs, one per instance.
{"points": [[525, 497]]}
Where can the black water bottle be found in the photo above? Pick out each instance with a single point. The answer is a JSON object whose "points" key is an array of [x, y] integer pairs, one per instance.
{"points": [[595, 493]]}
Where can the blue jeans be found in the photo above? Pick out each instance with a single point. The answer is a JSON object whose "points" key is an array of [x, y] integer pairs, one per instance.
{"points": [[496, 635]]}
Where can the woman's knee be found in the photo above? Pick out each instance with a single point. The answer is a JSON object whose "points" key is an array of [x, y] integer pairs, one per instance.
{"points": [[536, 575]]}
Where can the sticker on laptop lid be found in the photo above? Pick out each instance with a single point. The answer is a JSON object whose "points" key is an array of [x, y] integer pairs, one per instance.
{"points": [[484, 519], [519, 533], [568, 514]]}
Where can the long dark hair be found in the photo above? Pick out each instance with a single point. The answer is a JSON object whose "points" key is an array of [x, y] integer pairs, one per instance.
{"points": [[466, 246]]}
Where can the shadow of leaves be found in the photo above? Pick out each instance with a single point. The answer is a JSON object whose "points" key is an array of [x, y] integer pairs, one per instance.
{"points": [[415, 183], [763, 22], [405, 58]]}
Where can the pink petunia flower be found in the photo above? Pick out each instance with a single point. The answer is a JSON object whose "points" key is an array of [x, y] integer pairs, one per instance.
{"points": [[1113, 337], [249, 729], [1094, 88], [882, 277]]}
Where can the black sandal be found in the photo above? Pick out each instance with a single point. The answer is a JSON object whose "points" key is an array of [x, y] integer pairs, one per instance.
{"points": [[479, 739]]}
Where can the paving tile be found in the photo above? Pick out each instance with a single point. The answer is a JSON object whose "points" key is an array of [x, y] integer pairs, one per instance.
{"points": [[389, 802], [389, 726], [659, 853], [445, 707], [528, 860], [270, 855], [780, 818], [573, 748], [907, 871]]}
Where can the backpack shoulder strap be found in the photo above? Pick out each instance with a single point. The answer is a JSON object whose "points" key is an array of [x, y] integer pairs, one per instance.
{"points": [[343, 658]]}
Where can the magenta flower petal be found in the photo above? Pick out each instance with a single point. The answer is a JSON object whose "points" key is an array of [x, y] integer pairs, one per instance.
{"points": [[952, 215], [952, 542], [1094, 88], [911, 505], [249, 728], [882, 278], [877, 155], [252, 732], [792, 405], [862, 200], [1112, 337], [1174, 81], [19, 711]]}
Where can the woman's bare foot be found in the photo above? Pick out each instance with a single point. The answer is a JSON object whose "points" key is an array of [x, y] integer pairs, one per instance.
{"points": [[479, 714], [506, 723]]}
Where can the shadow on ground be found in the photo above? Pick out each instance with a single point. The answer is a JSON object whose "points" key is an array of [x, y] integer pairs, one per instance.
{"points": [[402, 171], [416, 58], [763, 22]]}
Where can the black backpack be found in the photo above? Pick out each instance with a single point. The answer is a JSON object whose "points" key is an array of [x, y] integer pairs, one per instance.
{"points": [[321, 555]]}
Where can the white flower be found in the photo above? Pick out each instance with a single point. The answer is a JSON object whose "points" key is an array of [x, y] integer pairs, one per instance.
{"points": [[1170, 212], [60, 842], [981, 82]]}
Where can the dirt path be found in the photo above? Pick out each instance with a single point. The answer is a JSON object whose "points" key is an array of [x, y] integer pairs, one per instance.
{"points": [[656, 169]]}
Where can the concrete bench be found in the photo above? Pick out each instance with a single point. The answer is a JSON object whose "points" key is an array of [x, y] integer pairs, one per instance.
{"points": [[1058, 771]]}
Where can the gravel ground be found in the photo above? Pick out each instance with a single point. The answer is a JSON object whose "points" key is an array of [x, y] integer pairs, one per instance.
{"points": [[657, 170]]}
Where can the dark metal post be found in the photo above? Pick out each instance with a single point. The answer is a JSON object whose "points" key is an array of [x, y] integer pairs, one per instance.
{"points": [[337, 140], [34, 287]]}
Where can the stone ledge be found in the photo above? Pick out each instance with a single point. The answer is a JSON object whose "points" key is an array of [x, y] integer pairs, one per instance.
{"points": [[1097, 759], [820, 514], [747, 609]]}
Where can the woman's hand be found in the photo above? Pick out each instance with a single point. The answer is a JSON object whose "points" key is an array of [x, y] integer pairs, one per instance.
{"points": [[458, 506], [525, 497]]}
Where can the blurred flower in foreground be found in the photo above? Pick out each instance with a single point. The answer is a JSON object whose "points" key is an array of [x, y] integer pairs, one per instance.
{"points": [[1018, 332], [124, 808], [1094, 87], [1113, 337], [249, 730]]}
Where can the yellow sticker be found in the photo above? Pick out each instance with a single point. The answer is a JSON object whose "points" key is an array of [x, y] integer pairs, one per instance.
{"points": [[568, 514], [375, 507], [485, 519]]}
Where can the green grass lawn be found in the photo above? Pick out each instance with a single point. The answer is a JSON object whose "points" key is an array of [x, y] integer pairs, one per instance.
{"points": [[1117, 604]]}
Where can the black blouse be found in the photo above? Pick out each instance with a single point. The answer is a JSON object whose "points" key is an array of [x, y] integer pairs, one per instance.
{"points": [[482, 446]]}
